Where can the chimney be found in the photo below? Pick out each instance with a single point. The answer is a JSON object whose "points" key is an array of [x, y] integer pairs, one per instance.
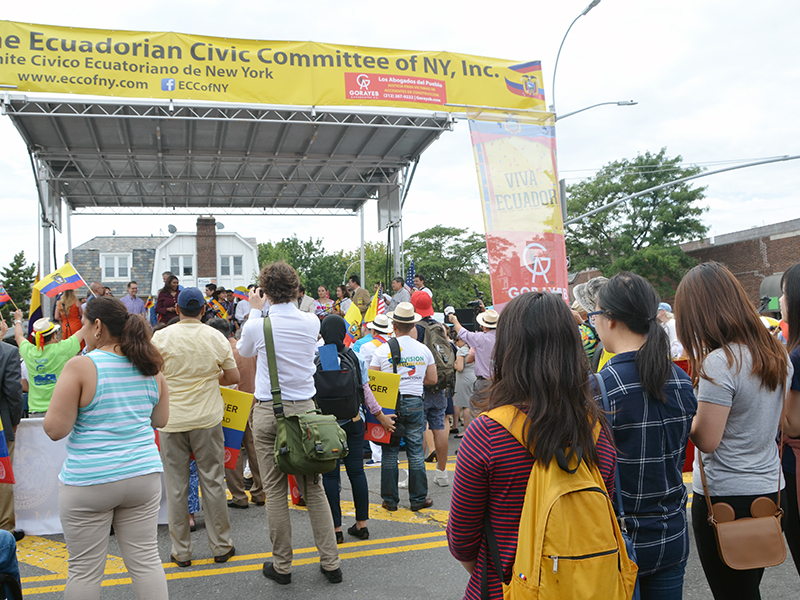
{"points": [[206, 247]]}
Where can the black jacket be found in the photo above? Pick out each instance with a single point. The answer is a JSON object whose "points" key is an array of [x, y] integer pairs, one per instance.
{"points": [[10, 389]]}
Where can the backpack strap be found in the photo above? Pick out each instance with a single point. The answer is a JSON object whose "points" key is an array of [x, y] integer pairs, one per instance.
{"points": [[617, 490], [394, 349], [277, 404]]}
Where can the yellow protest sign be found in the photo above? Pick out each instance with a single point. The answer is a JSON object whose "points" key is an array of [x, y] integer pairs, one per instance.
{"points": [[385, 386], [51, 59], [237, 408]]}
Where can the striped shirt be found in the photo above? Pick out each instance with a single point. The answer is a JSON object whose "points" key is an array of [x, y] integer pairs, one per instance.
{"points": [[112, 438], [492, 475], [651, 441]]}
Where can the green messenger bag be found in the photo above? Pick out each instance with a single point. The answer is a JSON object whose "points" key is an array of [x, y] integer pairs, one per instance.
{"points": [[307, 443]]}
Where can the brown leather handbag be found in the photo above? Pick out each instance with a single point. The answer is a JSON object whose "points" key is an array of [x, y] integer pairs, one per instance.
{"points": [[751, 542]]}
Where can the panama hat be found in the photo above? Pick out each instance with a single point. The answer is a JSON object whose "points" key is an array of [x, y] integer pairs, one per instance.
{"points": [[488, 319], [404, 313], [381, 324]]}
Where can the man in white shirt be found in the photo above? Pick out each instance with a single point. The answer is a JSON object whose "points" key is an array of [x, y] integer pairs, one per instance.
{"points": [[400, 294], [295, 337], [416, 368], [419, 285]]}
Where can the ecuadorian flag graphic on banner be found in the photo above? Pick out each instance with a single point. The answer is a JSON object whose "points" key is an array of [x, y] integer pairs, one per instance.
{"points": [[60, 280]]}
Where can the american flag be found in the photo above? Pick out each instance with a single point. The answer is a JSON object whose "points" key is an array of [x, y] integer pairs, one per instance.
{"points": [[410, 277], [381, 302]]}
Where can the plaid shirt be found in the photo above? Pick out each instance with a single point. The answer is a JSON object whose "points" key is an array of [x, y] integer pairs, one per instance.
{"points": [[651, 441]]}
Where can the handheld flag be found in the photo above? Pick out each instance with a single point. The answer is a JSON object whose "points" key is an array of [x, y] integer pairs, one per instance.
{"points": [[410, 277], [241, 293], [376, 307], [4, 297], [6, 473], [60, 280], [36, 307], [149, 303], [218, 309], [353, 319]]}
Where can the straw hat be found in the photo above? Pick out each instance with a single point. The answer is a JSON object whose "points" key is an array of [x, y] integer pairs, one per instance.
{"points": [[380, 324], [404, 313], [488, 319]]}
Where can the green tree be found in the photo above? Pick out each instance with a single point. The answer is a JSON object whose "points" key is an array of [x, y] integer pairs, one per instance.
{"points": [[314, 266], [376, 259], [17, 278], [449, 258], [640, 235]]}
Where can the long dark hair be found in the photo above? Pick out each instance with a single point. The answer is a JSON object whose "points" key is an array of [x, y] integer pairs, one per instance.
{"points": [[631, 300], [131, 331], [541, 368], [790, 286], [713, 311], [167, 283]]}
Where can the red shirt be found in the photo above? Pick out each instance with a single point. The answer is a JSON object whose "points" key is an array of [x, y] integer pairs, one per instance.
{"points": [[492, 474]]}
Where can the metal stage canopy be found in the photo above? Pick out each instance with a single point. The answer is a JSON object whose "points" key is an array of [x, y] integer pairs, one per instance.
{"points": [[144, 157]]}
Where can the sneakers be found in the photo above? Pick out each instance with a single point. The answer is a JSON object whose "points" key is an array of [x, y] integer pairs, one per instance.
{"points": [[371, 463], [181, 563], [404, 484], [226, 556], [334, 576], [270, 573], [441, 479]]}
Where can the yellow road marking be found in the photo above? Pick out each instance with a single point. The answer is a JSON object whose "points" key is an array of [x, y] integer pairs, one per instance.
{"points": [[427, 516], [183, 574]]}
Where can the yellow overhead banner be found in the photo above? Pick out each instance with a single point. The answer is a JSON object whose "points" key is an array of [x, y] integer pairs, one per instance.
{"points": [[65, 60]]}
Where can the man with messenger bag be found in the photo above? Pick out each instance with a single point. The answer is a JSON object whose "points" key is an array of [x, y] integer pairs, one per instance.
{"points": [[290, 349]]}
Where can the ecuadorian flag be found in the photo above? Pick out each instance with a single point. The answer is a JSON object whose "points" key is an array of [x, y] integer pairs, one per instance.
{"points": [[4, 297], [6, 474], [353, 319], [36, 307], [60, 280]]}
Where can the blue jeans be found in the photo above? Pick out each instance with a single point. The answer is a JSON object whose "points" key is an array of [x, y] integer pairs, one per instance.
{"points": [[410, 412], [663, 585], [354, 464], [8, 556]]}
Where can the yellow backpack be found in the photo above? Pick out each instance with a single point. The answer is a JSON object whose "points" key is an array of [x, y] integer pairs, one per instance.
{"points": [[570, 544]]}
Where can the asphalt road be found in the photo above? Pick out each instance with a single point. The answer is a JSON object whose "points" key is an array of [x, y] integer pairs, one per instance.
{"points": [[406, 557]]}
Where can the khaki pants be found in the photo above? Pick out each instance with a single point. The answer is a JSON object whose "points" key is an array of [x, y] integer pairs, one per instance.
{"points": [[234, 478], [208, 447], [276, 490], [7, 519], [87, 513]]}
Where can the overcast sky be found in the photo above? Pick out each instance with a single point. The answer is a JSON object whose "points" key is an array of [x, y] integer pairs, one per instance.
{"points": [[715, 82]]}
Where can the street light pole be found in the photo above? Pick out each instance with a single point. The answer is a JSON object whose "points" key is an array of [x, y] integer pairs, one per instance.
{"points": [[555, 69], [575, 112]]}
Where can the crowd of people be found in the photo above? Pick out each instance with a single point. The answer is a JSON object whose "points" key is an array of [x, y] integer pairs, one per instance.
{"points": [[137, 396]]}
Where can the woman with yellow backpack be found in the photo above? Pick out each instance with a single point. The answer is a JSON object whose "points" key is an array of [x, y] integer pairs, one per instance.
{"points": [[530, 514]]}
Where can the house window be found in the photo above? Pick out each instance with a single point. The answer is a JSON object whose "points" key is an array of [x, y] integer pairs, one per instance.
{"points": [[230, 265], [181, 266], [116, 267]]}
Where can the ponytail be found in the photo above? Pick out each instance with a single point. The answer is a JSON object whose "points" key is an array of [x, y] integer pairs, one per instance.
{"points": [[631, 300], [653, 361], [131, 331], [137, 348]]}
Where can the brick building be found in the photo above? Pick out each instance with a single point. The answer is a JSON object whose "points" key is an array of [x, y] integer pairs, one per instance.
{"points": [[753, 255]]}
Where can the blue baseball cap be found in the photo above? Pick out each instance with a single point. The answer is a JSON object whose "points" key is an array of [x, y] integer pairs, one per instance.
{"points": [[665, 306], [191, 298]]}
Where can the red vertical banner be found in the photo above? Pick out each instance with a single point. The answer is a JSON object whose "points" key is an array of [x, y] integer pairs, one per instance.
{"points": [[515, 159]]}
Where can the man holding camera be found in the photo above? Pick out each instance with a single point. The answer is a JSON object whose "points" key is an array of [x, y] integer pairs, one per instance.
{"points": [[483, 343], [295, 337]]}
